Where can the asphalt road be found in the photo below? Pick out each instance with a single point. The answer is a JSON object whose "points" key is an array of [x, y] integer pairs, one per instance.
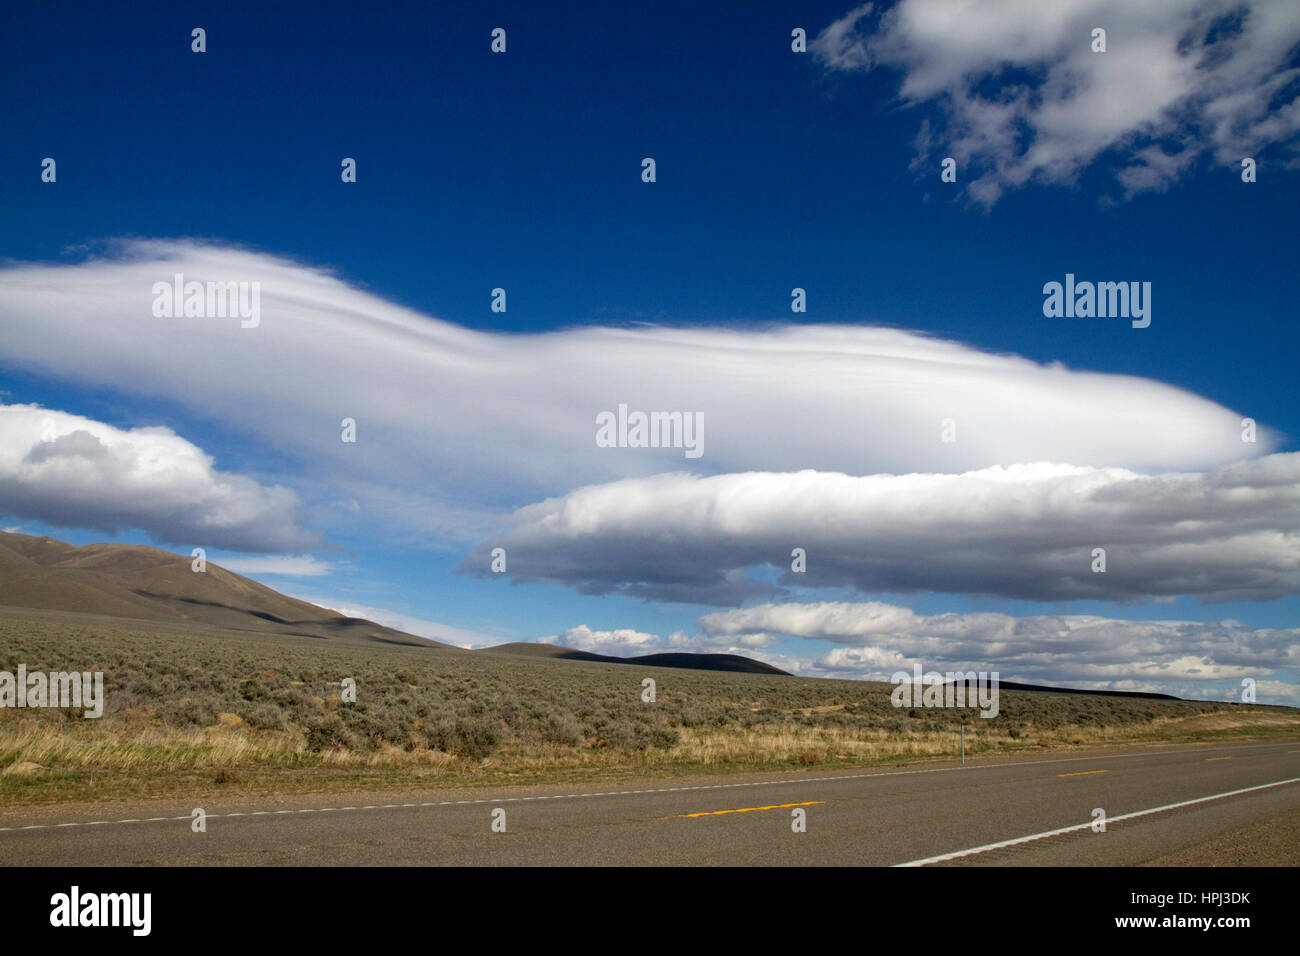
{"points": [[961, 815]]}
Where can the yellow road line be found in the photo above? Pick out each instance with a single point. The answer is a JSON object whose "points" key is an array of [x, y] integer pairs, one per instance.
{"points": [[1218, 758], [775, 806], [1081, 773]]}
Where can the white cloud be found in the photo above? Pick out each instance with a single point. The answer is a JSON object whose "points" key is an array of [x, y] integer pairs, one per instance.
{"points": [[1024, 532], [880, 638], [420, 627], [1272, 692], [1016, 93], [440, 407], [287, 565], [621, 642], [1088, 652], [71, 471], [625, 642], [1185, 658]]}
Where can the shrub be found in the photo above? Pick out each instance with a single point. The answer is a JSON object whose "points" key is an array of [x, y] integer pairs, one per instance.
{"points": [[470, 737], [562, 729], [327, 732], [261, 715]]}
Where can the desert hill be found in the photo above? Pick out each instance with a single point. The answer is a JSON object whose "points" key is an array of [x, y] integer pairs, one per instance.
{"points": [[133, 581], [150, 584]]}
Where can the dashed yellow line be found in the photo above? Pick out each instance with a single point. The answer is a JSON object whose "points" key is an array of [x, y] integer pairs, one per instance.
{"points": [[1081, 773], [1218, 758], [775, 806]]}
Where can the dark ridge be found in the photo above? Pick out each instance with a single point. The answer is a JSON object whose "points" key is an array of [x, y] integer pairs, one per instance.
{"points": [[733, 663], [1013, 685], [709, 662]]}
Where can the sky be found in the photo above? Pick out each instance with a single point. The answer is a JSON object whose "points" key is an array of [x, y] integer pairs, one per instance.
{"points": [[947, 451]]}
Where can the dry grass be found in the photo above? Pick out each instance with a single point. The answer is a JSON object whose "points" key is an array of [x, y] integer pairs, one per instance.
{"points": [[198, 712]]}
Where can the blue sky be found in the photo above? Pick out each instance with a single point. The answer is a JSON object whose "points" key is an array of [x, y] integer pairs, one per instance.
{"points": [[775, 170]]}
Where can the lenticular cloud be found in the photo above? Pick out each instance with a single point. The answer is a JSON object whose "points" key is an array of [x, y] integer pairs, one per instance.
{"points": [[485, 420]]}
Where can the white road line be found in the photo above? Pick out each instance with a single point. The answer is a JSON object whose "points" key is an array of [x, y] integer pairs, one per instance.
{"points": [[1082, 826], [710, 786]]}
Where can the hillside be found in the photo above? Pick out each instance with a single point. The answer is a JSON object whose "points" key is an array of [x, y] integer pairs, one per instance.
{"points": [[149, 584]]}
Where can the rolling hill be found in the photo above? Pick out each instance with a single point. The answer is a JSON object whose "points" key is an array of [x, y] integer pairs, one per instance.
{"points": [[711, 662], [143, 583], [149, 584]]}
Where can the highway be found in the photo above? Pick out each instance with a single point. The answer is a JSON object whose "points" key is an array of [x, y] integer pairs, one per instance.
{"points": [[999, 811]]}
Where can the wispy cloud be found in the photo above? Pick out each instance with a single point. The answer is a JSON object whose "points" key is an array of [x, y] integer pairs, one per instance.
{"points": [[410, 624], [287, 565], [1014, 92]]}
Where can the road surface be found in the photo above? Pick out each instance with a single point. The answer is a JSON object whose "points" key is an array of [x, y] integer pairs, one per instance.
{"points": [[1021, 812]]}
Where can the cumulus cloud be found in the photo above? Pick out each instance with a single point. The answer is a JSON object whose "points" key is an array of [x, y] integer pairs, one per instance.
{"points": [[1014, 92], [1088, 651], [1271, 692], [71, 471], [440, 408], [1206, 660], [620, 642], [1023, 532]]}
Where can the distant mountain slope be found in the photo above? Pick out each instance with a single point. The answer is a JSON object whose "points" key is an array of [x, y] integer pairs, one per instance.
{"points": [[732, 662], [1013, 685], [132, 581], [704, 662]]}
